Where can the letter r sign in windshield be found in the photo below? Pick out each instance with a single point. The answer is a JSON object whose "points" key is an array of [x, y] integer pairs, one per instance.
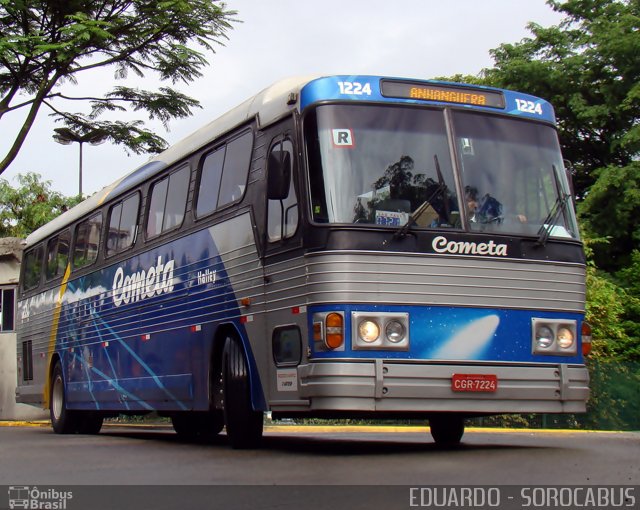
{"points": [[343, 138]]}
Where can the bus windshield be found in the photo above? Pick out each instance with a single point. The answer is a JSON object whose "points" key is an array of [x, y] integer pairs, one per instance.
{"points": [[377, 164]]}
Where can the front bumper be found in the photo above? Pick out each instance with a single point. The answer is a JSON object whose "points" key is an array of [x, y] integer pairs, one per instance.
{"points": [[396, 387]]}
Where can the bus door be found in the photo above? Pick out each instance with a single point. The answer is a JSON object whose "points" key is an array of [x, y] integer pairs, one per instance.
{"points": [[284, 267]]}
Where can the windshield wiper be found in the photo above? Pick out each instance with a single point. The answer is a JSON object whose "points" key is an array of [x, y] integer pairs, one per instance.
{"points": [[559, 206], [413, 217], [402, 231]]}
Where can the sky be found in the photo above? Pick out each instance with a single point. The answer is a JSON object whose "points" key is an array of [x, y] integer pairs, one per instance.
{"points": [[281, 38]]}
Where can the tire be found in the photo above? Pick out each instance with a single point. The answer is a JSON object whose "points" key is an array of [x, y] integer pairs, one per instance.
{"points": [[447, 430], [196, 426], [89, 422], [244, 425], [63, 421]]}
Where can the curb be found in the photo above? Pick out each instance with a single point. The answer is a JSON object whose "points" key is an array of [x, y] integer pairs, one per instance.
{"points": [[328, 429]]}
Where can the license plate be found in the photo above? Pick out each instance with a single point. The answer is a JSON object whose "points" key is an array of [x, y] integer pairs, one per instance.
{"points": [[487, 383]]}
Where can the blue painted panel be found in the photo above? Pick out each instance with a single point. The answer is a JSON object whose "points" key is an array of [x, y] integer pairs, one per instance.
{"points": [[458, 334], [125, 334], [368, 88]]}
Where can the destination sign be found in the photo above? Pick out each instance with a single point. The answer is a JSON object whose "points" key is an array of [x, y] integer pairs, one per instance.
{"points": [[442, 93]]}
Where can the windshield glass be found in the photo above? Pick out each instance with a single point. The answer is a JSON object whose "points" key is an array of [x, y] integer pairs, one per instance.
{"points": [[512, 175], [376, 165]]}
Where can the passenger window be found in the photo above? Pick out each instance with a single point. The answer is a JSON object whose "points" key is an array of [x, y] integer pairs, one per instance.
{"points": [[236, 169], [168, 202], [224, 174], [58, 255], [210, 182], [87, 241], [283, 213], [32, 268], [123, 221]]}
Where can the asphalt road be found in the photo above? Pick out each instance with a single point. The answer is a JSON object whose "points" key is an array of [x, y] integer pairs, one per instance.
{"points": [[335, 458]]}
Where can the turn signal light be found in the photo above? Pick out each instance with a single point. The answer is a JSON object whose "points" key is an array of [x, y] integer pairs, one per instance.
{"points": [[334, 330], [586, 339]]}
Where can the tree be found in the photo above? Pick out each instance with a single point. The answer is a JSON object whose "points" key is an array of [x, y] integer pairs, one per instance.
{"points": [[611, 209], [45, 44], [29, 206], [588, 67]]}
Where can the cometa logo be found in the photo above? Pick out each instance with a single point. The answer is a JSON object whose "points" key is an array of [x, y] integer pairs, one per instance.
{"points": [[442, 245], [144, 284]]}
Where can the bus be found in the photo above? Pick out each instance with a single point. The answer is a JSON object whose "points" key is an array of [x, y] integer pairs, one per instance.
{"points": [[358, 247]]}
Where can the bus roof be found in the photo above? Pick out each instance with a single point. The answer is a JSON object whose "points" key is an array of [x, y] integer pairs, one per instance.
{"points": [[277, 100], [266, 106]]}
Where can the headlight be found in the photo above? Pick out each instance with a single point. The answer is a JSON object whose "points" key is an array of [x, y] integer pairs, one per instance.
{"points": [[368, 331], [554, 337], [565, 338], [544, 337], [380, 331], [395, 331]]}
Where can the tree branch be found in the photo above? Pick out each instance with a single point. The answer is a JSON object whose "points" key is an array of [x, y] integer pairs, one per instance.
{"points": [[26, 126]]}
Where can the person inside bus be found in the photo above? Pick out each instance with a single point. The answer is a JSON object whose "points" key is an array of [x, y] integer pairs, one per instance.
{"points": [[485, 210]]}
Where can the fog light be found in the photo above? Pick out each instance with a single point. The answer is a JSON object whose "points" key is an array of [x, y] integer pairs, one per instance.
{"points": [[395, 331], [368, 331], [565, 338], [544, 337]]}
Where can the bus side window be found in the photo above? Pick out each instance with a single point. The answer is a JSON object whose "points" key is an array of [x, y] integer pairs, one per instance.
{"points": [[123, 222], [168, 202], [282, 210], [87, 241], [32, 268], [210, 182], [236, 169], [224, 173], [58, 254]]}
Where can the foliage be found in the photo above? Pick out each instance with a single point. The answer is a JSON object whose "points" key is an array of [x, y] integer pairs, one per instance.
{"points": [[45, 44], [29, 206], [611, 209], [629, 278], [588, 67]]}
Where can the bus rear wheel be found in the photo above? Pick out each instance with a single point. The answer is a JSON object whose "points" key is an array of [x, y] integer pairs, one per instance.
{"points": [[89, 422], [244, 424], [447, 430], [63, 420]]}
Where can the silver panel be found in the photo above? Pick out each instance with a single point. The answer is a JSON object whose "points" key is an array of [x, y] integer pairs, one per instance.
{"points": [[383, 385], [424, 279]]}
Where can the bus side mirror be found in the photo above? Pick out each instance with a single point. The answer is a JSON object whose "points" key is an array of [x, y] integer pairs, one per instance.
{"points": [[279, 175]]}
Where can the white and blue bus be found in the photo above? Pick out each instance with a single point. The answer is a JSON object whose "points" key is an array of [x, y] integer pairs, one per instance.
{"points": [[336, 246]]}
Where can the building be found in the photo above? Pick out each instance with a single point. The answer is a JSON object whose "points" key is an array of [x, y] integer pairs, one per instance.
{"points": [[10, 258]]}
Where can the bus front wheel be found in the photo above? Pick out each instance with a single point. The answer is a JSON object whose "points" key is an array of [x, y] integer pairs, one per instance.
{"points": [[447, 430], [244, 425]]}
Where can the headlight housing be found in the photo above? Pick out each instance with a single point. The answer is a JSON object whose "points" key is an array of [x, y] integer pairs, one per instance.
{"points": [[380, 330], [555, 337]]}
